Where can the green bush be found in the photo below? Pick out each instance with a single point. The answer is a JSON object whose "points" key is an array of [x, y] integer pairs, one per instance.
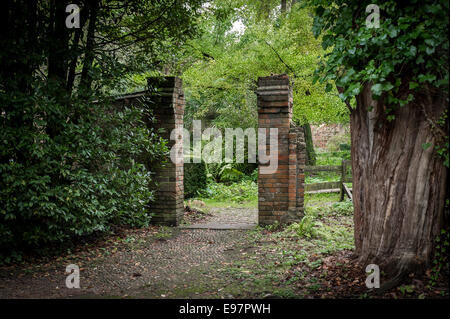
{"points": [[245, 190], [195, 179], [229, 174], [70, 171], [344, 147]]}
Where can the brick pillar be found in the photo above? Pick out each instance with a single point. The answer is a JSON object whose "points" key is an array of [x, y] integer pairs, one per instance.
{"points": [[167, 102], [278, 193], [274, 111]]}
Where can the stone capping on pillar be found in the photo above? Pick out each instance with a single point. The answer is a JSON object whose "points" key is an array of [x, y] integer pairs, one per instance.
{"points": [[166, 99], [278, 192]]}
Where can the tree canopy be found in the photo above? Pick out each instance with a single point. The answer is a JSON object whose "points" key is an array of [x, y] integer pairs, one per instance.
{"points": [[241, 41]]}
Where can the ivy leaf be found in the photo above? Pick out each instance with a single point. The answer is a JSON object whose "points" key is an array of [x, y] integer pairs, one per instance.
{"points": [[430, 42], [387, 86], [425, 146], [429, 50], [413, 85], [426, 77], [393, 32], [377, 89]]}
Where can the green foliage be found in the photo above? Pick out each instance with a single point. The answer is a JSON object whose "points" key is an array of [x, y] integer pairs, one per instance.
{"points": [[230, 174], [221, 81], [246, 190], [332, 158], [69, 166], [342, 208], [273, 227], [195, 179], [339, 142], [80, 180], [307, 227], [442, 147], [403, 62], [440, 263], [407, 39], [313, 224], [163, 233]]}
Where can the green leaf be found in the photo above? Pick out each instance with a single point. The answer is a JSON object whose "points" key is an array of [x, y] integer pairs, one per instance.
{"points": [[413, 85], [377, 89], [429, 50], [393, 32], [425, 146]]}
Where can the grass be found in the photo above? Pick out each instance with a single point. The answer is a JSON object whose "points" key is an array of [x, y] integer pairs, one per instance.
{"points": [[321, 199], [245, 192], [321, 177], [242, 192], [331, 158], [209, 202], [327, 159], [291, 253]]}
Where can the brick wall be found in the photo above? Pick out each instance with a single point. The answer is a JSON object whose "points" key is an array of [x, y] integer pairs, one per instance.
{"points": [[166, 99], [321, 134], [167, 102]]}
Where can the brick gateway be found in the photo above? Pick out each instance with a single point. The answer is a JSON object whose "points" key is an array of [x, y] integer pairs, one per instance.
{"points": [[280, 194]]}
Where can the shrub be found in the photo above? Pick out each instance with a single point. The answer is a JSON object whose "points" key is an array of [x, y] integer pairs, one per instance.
{"points": [[229, 174], [246, 190], [66, 174], [195, 179]]}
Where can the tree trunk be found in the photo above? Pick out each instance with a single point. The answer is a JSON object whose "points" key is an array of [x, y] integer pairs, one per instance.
{"points": [[283, 6], [59, 44], [86, 77], [310, 153], [75, 53], [398, 185]]}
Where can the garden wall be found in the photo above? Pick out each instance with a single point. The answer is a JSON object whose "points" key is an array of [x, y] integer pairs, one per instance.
{"points": [[321, 134]]}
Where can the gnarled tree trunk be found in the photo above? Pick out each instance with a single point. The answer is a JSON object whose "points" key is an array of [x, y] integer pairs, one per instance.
{"points": [[398, 185]]}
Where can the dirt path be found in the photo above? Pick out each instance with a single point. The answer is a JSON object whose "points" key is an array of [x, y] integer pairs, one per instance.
{"points": [[173, 262], [199, 262], [227, 218]]}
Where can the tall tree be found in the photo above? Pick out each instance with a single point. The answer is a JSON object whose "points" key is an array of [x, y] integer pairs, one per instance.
{"points": [[222, 80], [394, 78]]}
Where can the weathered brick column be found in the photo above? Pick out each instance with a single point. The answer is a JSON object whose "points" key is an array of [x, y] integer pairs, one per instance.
{"points": [[167, 101], [278, 192]]}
